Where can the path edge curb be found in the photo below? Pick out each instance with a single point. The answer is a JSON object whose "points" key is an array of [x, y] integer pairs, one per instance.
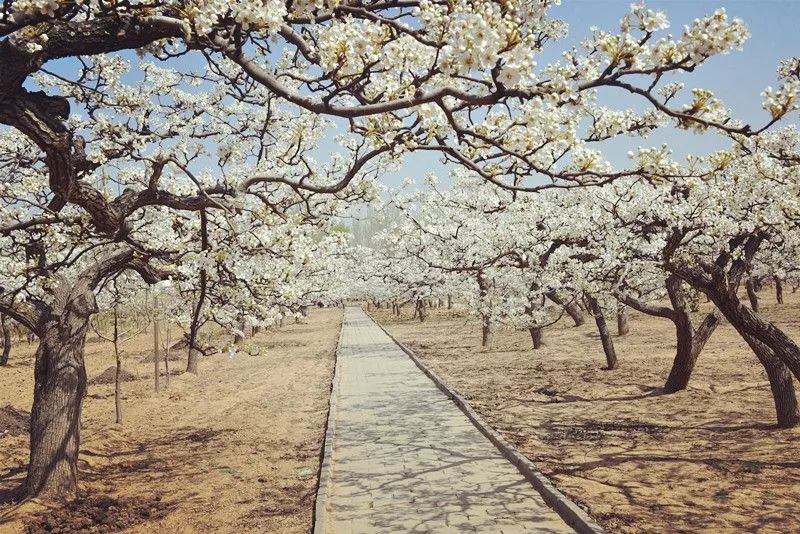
{"points": [[575, 516], [325, 479]]}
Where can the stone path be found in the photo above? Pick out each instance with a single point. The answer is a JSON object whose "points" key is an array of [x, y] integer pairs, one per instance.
{"points": [[404, 458]]}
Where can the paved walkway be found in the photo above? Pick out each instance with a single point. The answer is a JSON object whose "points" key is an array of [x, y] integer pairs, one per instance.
{"points": [[406, 459]]}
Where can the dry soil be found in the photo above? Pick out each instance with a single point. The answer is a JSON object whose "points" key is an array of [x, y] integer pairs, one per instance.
{"points": [[234, 449], [708, 459]]}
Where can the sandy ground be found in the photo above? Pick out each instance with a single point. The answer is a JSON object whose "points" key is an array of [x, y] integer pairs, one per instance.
{"points": [[235, 449], [708, 459]]}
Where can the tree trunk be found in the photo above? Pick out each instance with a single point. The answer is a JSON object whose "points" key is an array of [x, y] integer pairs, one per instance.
{"points": [[421, 311], [689, 342], [117, 371], [194, 360], [747, 322], [623, 328], [486, 331], [605, 335], [779, 355], [194, 327], [779, 290], [156, 354], [781, 383], [256, 329], [449, 302], [536, 337], [6, 333], [118, 387], [574, 311], [59, 388], [166, 356], [751, 294]]}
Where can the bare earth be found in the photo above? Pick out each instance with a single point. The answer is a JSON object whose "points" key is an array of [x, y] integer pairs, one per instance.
{"points": [[705, 459], [235, 449]]}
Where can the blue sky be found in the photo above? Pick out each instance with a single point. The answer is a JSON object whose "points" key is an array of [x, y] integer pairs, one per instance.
{"points": [[737, 78]]}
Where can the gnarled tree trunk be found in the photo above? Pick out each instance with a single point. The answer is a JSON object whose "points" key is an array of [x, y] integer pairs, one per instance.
{"points": [[60, 385], [690, 342], [779, 355], [781, 383]]}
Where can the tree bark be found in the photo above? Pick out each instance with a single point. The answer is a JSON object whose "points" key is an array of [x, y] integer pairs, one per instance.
{"points": [[117, 371], [623, 328], [779, 355], [192, 365], [194, 328], [421, 311], [751, 294], [449, 302], [156, 353], [605, 335], [6, 333], [779, 290], [59, 388], [748, 323], [536, 337], [166, 356], [486, 331], [690, 342], [781, 383]]}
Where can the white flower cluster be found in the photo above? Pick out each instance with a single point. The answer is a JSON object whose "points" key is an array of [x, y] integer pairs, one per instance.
{"points": [[644, 19], [712, 35], [45, 7], [346, 46], [479, 35], [263, 15], [786, 98]]}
